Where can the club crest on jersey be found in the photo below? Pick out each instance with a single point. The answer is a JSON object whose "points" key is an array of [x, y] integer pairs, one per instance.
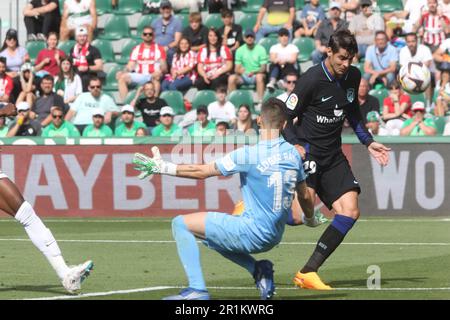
{"points": [[350, 95], [292, 101]]}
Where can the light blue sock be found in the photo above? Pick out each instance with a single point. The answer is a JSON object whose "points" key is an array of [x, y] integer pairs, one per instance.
{"points": [[189, 253], [245, 260]]}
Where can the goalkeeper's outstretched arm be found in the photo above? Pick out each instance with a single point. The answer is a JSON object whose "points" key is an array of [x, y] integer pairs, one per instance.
{"points": [[198, 171]]}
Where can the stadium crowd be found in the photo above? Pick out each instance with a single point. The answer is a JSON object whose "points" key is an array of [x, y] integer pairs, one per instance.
{"points": [[203, 68]]}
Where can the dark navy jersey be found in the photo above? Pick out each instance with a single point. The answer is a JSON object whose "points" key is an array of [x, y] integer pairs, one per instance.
{"points": [[321, 104]]}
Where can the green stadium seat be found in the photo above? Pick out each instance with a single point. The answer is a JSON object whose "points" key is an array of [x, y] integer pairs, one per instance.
{"points": [[380, 94], [130, 96], [418, 97], [213, 20], [253, 5], [175, 100], [111, 81], [184, 19], [103, 7], [126, 51], [440, 125], [240, 97], [116, 28], [267, 43], [61, 6], [106, 49], [66, 46], [390, 5], [33, 48], [306, 46], [275, 94], [247, 21], [203, 97], [128, 7], [144, 21]]}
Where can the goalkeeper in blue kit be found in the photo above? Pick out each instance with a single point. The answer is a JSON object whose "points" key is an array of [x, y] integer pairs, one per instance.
{"points": [[270, 172]]}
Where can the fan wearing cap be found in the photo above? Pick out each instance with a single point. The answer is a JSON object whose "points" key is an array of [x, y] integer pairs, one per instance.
{"points": [[166, 128], [76, 14], [59, 127], [98, 128], [202, 127], [418, 125], [280, 14], [129, 125], [14, 54], [41, 17], [23, 126], [6, 84], [373, 124]]}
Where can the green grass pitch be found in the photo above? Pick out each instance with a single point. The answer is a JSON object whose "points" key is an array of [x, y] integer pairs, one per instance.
{"points": [[137, 259]]}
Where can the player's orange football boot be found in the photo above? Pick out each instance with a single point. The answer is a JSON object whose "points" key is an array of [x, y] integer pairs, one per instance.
{"points": [[238, 208], [310, 280]]}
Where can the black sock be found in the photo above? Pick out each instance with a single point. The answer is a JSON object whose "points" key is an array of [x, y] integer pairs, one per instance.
{"points": [[327, 243]]}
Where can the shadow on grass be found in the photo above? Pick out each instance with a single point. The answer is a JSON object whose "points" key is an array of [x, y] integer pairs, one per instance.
{"points": [[362, 283], [42, 288]]}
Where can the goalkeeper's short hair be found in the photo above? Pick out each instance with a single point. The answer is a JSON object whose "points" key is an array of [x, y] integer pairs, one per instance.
{"points": [[272, 113]]}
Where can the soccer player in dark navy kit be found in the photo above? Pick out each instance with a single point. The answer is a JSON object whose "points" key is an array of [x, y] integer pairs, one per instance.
{"points": [[323, 97]]}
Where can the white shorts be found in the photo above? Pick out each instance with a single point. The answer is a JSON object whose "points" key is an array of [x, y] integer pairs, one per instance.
{"points": [[75, 22], [139, 78]]}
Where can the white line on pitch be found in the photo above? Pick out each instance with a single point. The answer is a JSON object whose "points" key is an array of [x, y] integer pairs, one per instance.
{"points": [[281, 243]]}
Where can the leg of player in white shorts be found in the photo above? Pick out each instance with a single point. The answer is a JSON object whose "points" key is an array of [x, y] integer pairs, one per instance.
{"points": [[13, 203]]}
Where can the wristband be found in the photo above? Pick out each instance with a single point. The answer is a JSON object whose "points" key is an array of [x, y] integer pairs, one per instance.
{"points": [[169, 169]]}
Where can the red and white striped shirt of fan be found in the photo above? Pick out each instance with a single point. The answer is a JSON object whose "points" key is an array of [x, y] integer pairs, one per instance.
{"points": [[148, 58], [6, 85], [213, 62], [433, 28], [181, 61]]}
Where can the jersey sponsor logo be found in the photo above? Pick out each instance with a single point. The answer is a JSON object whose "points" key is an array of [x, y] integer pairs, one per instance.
{"points": [[326, 99], [337, 111], [350, 94], [326, 120], [292, 101]]}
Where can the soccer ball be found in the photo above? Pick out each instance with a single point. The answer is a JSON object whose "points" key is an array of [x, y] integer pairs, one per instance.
{"points": [[414, 77]]}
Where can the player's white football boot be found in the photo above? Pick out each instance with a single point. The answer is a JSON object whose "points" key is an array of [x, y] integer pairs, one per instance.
{"points": [[76, 276]]}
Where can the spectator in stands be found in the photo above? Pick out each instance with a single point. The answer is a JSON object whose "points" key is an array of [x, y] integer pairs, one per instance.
{"points": [[59, 127], [280, 14], [67, 83], [283, 59], [28, 84], [41, 17], [23, 126], [48, 100], [3, 127], [152, 6], [129, 124], [141, 132], [444, 7], [166, 128], [432, 26], [214, 63], [310, 19], [183, 71], [289, 82], [230, 31], [381, 61], [167, 29], [149, 106], [367, 102], [82, 109], [77, 14], [442, 59], [396, 109], [147, 63], [6, 84], [244, 123], [250, 66], [372, 120], [443, 98], [86, 59], [202, 127], [98, 128], [222, 128], [328, 26], [406, 18], [196, 32], [222, 110], [49, 59], [364, 25], [418, 125], [349, 9]]}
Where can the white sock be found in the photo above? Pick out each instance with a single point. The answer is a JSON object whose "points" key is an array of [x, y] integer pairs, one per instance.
{"points": [[42, 238]]}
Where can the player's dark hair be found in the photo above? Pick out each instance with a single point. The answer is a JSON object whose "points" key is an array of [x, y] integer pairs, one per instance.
{"points": [[272, 113], [343, 39]]}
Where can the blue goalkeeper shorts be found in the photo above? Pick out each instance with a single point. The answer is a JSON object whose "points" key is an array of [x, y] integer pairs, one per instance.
{"points": [[237, 234]]}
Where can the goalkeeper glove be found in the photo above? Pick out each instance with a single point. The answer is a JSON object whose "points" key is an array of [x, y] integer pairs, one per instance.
{"points": [[316, 220], [148, 165]]}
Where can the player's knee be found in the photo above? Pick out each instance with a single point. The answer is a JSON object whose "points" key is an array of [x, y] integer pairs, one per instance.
{"points": [[353, 213], [178, 224]]}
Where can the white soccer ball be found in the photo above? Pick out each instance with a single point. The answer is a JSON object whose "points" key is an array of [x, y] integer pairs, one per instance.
{"points": [[414, 77]]}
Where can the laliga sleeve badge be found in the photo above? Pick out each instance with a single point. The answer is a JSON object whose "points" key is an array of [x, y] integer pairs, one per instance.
{"points": [[292, 101]]}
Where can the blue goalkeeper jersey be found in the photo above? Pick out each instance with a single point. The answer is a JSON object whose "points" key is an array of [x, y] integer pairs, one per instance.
{"points": [[269, 172]]}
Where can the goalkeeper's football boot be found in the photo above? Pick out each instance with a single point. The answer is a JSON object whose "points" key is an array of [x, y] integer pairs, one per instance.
{"points": [[310, 280], [190, 294], [263, 276], [77, 274]]}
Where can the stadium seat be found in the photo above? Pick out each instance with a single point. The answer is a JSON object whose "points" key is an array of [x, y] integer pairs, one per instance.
{"points": [[247, 21], [61, 6], [253, 5], [267, 43], [66, 46], [240, 97], [116, 28], [440, 125], [175, 100], [130, 96], [103, 7], [204, 97], [418, 97], [33, 48], [126, 51], [306, 46], [390, 5], [144, 21], [380, 94], [268, 95], [106, 49], [184, 19], [128, 7], [213, 20], [111, 81]]}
